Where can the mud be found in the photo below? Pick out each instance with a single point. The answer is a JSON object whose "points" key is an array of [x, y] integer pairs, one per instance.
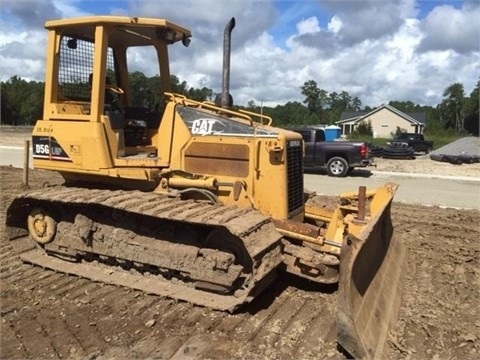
{"points": [[51, 315]]}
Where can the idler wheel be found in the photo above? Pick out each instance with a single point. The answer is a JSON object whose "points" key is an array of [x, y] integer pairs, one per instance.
{"points": [[41, 226]]}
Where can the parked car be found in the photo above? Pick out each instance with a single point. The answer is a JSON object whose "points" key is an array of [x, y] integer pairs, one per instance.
{"points": [[339, 158], [415, 141]]}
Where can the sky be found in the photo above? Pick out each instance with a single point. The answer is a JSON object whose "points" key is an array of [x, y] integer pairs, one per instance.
{"points": [[376, 50]]}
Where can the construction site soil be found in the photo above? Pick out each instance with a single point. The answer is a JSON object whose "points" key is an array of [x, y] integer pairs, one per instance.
{"points": [[45, 314]]}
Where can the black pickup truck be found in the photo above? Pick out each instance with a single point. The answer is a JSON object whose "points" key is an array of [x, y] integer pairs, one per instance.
{"points": [[415, 141], [338, 157]]}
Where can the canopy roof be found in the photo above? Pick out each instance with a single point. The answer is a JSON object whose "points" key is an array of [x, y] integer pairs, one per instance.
{"points": [[131, 31]]}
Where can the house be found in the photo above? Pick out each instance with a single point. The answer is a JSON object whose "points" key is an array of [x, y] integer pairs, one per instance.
{"points": [[384, 120]]}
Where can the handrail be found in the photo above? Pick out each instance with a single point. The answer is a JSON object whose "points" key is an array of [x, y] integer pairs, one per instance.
{"points": [[261, 116], [244, 114]]}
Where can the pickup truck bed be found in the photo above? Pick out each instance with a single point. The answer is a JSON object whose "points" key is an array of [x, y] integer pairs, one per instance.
{"points": [[339, 158]]}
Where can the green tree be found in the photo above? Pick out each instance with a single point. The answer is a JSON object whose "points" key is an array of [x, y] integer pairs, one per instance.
{"points": [[200, 94], [472, 118], [177, 86], [452, 107], [143, 90], [356, 104], [365, 128], [283, 115], [315, 98], [251, 106], [404, 106], [313, 119], [433, 123], [22, 101], [338, 104]]}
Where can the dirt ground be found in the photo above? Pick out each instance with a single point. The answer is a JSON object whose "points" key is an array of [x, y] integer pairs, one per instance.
{"points": [[424, 165], [51, 315]]}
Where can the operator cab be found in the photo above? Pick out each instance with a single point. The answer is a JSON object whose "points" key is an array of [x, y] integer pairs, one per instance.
{"points": [[92, 76]]}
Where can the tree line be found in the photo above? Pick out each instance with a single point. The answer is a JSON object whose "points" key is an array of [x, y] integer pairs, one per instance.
{"points": [[22, 104]]}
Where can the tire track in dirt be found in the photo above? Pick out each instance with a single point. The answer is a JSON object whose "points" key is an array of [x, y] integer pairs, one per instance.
{"points": [[63, 333], [47, 314], [91, 318], [441, 299], [12, 346]]}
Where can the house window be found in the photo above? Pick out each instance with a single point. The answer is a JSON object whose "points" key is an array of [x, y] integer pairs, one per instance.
{"points": [[384, 125]]}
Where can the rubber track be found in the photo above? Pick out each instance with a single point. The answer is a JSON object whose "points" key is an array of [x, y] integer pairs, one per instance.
{"points": [[256, 231]]}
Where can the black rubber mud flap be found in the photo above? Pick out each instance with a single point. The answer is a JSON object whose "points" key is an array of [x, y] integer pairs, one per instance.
{"points": [[372, 273]]}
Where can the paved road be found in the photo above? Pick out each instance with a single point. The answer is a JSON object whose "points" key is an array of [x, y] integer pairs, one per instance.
{"points": [[448, 191], [13, 155]]}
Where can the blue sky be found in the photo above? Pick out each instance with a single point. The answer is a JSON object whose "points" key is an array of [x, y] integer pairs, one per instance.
{"points": [[374, 49]]}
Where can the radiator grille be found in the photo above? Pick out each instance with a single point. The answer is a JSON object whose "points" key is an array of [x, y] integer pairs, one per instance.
{"points": [[295, 176]]}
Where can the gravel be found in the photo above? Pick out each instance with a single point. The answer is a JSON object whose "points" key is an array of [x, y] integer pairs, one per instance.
{"points": [[464, 146]]}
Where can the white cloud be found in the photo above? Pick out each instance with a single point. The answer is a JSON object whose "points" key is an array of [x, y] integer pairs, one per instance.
{"points": [[308, 26], [22, 54], [335, 24], [376, 50], [448, 28], [67, 8]]}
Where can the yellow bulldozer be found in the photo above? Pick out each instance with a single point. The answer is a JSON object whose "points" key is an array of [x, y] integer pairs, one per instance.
{"points": [[187, 199]]}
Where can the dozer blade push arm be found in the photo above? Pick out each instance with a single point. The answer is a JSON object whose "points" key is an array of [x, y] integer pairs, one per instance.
{"points": [[372, 271]]}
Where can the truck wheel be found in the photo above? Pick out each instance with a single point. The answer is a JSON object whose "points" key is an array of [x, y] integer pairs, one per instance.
{"points": [[337, 166]]}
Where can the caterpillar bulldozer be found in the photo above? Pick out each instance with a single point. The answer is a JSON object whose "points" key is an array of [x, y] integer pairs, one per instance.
{"points": [[192, 200]]}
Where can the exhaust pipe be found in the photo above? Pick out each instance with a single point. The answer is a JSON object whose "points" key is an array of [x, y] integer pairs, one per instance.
{"points": [[226, 100]]}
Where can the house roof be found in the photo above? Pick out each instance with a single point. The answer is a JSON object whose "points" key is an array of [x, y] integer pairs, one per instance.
{"points": [[353, 117]]}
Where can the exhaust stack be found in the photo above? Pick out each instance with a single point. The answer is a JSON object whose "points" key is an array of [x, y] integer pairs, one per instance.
{"points": [[226, 100]]}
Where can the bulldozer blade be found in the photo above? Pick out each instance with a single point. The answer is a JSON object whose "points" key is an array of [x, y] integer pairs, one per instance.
{"points": [[372, 272]]}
